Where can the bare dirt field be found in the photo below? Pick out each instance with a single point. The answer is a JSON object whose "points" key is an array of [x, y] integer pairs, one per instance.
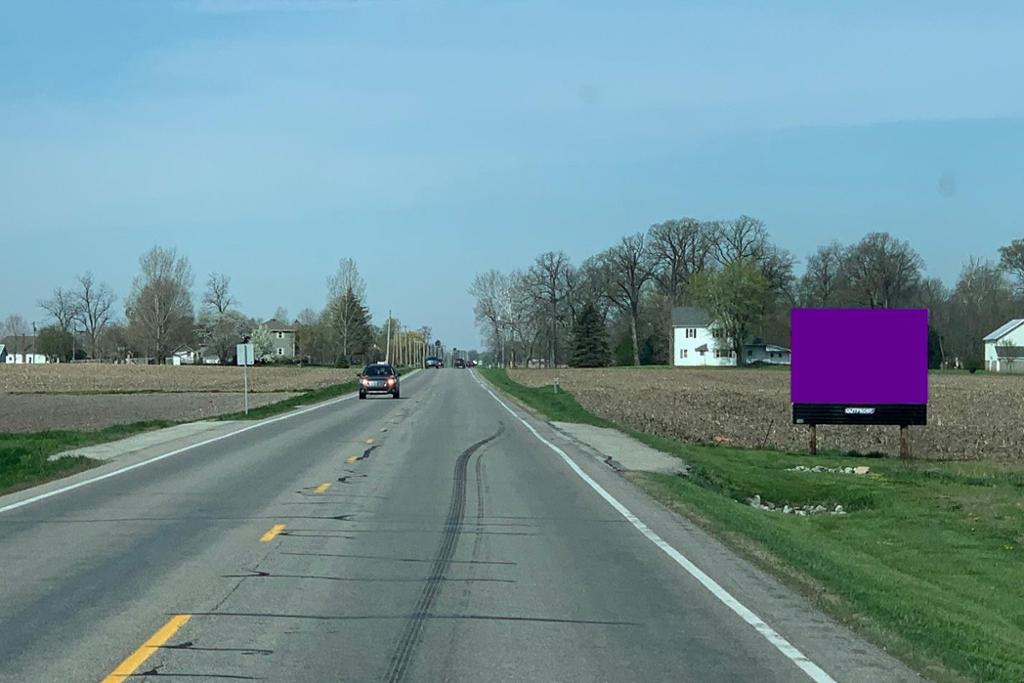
{"points": [[65, 378], [43, 412], [93, 396], [970, 416]]}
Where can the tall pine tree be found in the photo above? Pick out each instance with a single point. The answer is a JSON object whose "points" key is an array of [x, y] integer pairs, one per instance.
{"points": [[349, 322], [590, 339]]}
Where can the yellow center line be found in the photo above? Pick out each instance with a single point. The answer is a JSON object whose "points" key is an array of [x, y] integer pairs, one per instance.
{"points": [[272, 533], [352, 459], [135, 659], [322, 488]]}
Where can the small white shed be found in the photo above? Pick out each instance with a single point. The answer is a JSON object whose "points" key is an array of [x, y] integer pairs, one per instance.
{"points": [[1004, 348]]}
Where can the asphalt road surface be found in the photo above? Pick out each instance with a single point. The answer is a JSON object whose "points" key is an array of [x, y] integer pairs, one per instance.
{"points": [[439, 537]]}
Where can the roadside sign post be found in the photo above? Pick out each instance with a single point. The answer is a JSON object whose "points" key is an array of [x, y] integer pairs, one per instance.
{"points": [[244, 357]]}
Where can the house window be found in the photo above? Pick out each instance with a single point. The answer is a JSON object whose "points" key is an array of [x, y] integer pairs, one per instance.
{"points": [[691, 333], [280, 351], [682, 353], [280, 335], [685, 353]]}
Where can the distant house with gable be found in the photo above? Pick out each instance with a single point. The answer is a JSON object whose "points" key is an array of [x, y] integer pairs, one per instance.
{"points": [[1004, 348], [20, 349], [697, 341], [283, 336]]}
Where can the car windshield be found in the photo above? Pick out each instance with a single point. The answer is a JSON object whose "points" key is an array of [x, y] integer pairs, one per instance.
{"points": [[378, 370]]}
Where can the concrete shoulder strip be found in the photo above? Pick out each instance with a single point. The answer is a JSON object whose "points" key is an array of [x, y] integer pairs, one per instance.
{"points": [[813, 671]]}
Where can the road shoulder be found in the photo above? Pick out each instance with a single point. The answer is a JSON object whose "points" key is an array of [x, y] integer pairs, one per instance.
{"points": [[844, 655]]}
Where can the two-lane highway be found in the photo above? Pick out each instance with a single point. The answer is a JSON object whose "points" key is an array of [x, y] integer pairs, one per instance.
{"points": [[443, 536]]}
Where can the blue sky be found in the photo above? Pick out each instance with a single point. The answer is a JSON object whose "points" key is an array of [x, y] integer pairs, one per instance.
{"points": [[267, 139]]}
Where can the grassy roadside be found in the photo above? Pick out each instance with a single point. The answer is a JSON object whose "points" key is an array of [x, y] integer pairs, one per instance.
{"points": [[927, 563], [312, 396], [24, 456]]}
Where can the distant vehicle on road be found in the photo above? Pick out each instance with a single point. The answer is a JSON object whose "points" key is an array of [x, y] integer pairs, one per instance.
{"points": [[459, 363], [433, 362], [379, 378]]}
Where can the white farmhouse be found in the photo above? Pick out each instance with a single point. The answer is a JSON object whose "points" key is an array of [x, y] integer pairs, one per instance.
{"points": [[1004, 348], [20, 349], [696, 341]]}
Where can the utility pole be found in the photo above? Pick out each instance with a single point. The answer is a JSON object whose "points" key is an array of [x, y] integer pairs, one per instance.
{"points": [[387, 352]]}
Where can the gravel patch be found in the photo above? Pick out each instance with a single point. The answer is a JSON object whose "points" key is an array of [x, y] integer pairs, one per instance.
{"points": [[39, 412]]}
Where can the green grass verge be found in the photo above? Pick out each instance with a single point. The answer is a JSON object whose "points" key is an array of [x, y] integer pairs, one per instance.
{"points": [[559, 406], [24, 457], [313, 396], [929, 562]]}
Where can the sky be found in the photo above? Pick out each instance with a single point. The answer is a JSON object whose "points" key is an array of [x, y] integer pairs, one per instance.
{"points": [[433, 139]]}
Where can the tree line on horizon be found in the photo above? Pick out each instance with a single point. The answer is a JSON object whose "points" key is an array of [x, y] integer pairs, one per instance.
{"points": [[615, 306], [160, 317]]}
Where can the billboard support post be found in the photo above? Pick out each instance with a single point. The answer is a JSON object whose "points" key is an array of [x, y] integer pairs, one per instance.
{"points": [[865, 388]]}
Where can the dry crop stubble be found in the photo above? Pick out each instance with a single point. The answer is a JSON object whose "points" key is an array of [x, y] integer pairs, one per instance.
{"points": [[970, 416], [63, 378]]}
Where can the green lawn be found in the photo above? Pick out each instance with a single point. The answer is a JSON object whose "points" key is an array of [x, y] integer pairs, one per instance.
{"points": [[929, 563]]}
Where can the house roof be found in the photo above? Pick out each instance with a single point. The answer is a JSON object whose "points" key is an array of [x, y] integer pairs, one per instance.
{"points": [[689, 316], [1004, 330], [770, 348], [275, 325], [703, 348], [1010, 351]]}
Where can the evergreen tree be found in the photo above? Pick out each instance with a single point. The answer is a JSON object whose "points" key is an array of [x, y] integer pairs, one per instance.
{"points": [[590, 340], [349, 322]]}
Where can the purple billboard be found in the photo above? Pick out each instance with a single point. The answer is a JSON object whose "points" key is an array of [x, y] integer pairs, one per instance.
{"points": [[859, 366]]}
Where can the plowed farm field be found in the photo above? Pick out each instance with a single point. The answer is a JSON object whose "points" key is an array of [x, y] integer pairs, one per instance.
{"points": [[971, 417], [62, 378], [94, 396]]}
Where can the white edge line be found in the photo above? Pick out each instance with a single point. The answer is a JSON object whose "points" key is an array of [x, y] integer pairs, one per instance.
{"points": [[813, 671], [162, 456]]}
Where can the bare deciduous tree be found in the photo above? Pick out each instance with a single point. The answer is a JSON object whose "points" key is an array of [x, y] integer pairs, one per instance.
{"points": [[680, 249], [15, 326], [824, 282], [491, 291], [628, 268], [217, 298], [94, 307], [740, 239], [1011, 258], [982, 300], [883, 271], [62, 307], [548, 282], [347, 278], [159, 310]]}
